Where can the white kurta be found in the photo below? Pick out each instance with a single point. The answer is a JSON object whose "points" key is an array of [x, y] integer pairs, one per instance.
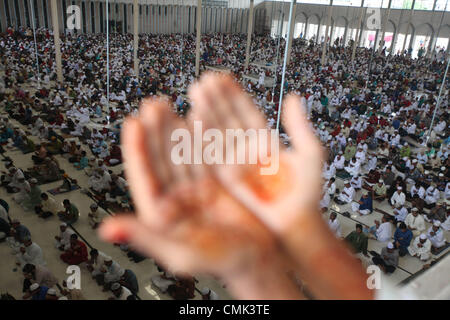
{"points": [[65, 239], [398, 199], [347, 194], [438, 239], [417, 223], [33, 255], [335, 226], [423, 252], [384, 232]]}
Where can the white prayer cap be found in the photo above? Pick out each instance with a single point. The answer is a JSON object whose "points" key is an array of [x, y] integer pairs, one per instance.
{"points": [[414, 161], [51, 292], [63, 224], [414, 209], [340, 152], [63, 298], [380, 181], [423, 236], [108, 259], [115, 286], [390, 245], [349, 139], [399, 188], [33, 180], [389, 162], [406, 144], [405, 158], [441, 174], [443, 168], [34, 286], [437, 223], [205, 291], [94, 206], [427, 172]]}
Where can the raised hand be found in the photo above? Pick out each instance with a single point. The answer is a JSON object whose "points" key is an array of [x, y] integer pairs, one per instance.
{"points": [[186, 220]]}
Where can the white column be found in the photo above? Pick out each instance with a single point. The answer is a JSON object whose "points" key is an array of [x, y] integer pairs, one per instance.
{"points": [[324, 46], [55, 23], [199, 34], [291, 34], [357, 37], [249, 34], [409, 23], [136, 37]]}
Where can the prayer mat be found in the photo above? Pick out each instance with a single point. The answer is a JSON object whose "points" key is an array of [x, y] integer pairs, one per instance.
{"points": [[342, 174], [56, 191], [439, 250]]}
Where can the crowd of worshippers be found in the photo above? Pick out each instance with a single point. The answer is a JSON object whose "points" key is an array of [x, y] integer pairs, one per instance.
{"points": [[372, 116]]}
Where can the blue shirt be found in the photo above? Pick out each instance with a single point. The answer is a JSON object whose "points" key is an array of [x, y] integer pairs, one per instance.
{"points": [[396, 124], [366, 204], [41, 294], [406, 237]]}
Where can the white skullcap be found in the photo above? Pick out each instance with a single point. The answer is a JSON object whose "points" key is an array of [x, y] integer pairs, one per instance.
{"points": [[390, 245], [405, 158], [423, 236], [441, 174], [63, 298], [399, 188], [51, 292], [108, 259], [443, 168], [33, 180], [414, 161], [115, 286], [63, 224], [381, 181], [34, 286], [437, 223], [406, 143], [427, 172], [414, 209], [205, 291], [94, 206]]}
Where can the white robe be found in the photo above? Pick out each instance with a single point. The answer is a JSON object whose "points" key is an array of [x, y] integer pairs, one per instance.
{"points": [[347, 194], [335, 226], [418, 223], [384, 232], [423, 252], [33, 255], [438, 239]]}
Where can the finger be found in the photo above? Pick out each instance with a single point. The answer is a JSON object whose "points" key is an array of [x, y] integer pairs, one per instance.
{"points": [[143, 181], [152, 116], [297, 126], [128, 229]]}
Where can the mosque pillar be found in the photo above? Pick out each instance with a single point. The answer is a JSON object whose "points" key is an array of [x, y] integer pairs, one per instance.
{"points": [[198, 38], [249, 34], [383, 32], [291, 34], [136, 37], [55, 23], [325, 42], [356, 40], [411, 11]]}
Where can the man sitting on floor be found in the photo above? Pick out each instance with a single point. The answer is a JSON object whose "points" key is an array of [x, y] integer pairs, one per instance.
{"points": [[358, 240], [421, 247], [346, 195], [48, 206], [436, 236], [70, 214], [77, 253], [402, 239], [381, 231], [388, 259], [379, 191], [364, 205]]}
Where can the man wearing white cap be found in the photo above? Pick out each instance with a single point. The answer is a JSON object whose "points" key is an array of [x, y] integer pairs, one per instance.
{"points": [[388, 259], [379, 191], [420, 248], [111, 271], [208, 294], [431, 196], [381, 231], [415, 222], [38, 292], [121, 293], [400, 213], [339, 161], [436, 236], [364, 206], [63, 240], [398, 198], [353, 168], [346, 195], [94, 217]]}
